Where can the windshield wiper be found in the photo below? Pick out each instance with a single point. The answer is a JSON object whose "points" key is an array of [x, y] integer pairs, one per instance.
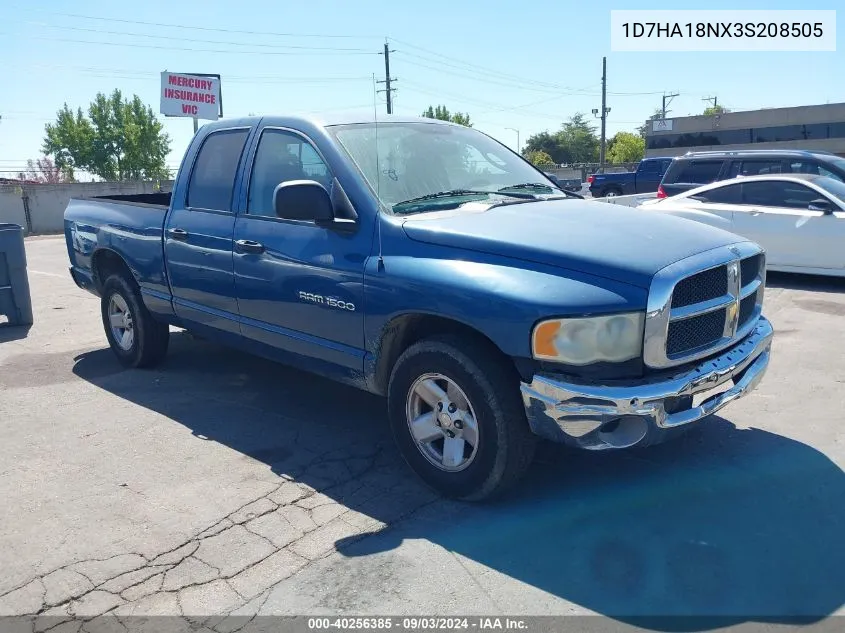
{"points": [[539, 185], [457, 193], [527, 185]]}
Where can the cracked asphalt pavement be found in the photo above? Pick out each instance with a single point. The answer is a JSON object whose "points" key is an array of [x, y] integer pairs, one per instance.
{"points": [[220, 487]]}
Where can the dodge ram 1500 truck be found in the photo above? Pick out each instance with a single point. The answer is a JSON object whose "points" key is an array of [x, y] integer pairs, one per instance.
{"points": [[426, 262]]}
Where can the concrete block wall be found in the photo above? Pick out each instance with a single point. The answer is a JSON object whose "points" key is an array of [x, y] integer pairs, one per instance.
{"points": [[47, 203]]}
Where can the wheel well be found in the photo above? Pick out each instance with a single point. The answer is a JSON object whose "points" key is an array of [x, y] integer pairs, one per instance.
{"points": [[106, 263], [403, 331]]}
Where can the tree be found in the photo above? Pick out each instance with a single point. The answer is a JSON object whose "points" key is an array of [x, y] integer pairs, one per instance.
{"points": [[575, 142], [625, 147], [120, 139], [539, 158], [44, 170], [714, 110], [442, 113], [580, 140]]}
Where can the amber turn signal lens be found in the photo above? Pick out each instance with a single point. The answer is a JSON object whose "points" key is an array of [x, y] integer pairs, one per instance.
{"points": [[544, 337]]}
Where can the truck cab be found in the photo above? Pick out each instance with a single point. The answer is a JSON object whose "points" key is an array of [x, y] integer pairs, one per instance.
{"points": [[644, 179]]}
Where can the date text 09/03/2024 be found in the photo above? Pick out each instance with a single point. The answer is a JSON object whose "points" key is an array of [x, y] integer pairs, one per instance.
{"points": [[416, 623], [723, 29]]}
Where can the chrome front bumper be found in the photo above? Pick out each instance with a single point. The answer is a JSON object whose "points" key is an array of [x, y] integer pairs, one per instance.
{"points": [[624, 414]]}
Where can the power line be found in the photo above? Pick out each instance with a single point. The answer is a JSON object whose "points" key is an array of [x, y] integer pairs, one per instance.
{"points": [[201, 50], [512, 81], [203, 28], [202, 41]]}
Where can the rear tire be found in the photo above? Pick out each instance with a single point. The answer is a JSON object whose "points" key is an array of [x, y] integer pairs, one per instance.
{"points": [[611, 192], [135, 337], [488, 418]]}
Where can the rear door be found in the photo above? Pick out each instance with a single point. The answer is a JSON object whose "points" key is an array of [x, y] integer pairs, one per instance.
{"points": [[648, 176], [687, 174], [775, 214], [299, 285], [198, 234]]}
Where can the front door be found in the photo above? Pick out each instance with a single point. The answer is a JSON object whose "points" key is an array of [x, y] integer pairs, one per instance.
{"points": [[299, 286], [198, 235], [775, 214]]}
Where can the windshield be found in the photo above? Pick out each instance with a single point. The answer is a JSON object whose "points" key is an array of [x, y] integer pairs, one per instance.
{"points": [[408, 161]]}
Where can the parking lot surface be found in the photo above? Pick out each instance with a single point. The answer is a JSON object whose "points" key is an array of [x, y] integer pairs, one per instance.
{"points": [[222, 484]]}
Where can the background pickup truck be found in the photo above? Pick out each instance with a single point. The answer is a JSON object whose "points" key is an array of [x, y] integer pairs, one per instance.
{"points": [[426, 262], [644, 179]]}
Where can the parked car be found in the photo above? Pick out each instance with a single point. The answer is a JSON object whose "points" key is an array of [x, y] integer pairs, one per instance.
{"points": [[567, 184], [694, 169], [644, 179], [486, 305], [799, 219]]}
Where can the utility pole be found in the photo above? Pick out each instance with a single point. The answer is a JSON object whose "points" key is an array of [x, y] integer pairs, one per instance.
{"points": [[387, 78], [604, 112], [665, 102], [713, 99], [513, 129]]}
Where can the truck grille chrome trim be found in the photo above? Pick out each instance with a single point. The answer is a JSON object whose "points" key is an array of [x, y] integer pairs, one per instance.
{"points": [[701, 305], [600, 417]]}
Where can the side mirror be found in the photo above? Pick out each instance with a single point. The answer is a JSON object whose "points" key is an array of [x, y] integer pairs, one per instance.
{"points": [[821, 204], [303, 200]]}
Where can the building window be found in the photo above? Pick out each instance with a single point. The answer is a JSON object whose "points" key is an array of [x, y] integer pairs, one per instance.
{"points": [[771, 134]]}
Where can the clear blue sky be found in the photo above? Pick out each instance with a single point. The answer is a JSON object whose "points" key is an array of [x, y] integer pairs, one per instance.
{"points": [[52, 57]]}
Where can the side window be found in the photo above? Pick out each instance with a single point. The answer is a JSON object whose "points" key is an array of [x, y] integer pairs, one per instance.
{"points": [[699, 172], [778, 194], [282, 156], [649, 167], [729, 194], [759, 167], [811, 167], [213, 178], [664, 165]]}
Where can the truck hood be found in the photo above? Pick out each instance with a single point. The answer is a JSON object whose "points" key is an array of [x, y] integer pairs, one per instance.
{"points": [[607, 240]]}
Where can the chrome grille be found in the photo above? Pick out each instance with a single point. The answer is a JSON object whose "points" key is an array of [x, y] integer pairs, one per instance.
{"points": [[701, 286], [695, 332], [750, 267], [703, 304], [746, 308]]}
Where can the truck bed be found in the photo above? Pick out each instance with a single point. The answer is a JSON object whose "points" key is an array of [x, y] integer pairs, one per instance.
{"points": [[159, 199], [128, 225]]}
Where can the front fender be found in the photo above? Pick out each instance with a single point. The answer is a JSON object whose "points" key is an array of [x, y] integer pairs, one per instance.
{"points": [[500, 298]]}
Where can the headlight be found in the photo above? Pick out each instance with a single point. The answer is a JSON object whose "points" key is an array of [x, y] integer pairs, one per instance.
{"points": [[615, 338]]}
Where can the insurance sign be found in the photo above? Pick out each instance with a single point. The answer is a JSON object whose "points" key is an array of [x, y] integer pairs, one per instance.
{"points": [[191, 95]]}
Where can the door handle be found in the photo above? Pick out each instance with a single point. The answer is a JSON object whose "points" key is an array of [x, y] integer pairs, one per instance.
{"points": [[248, 246], [178, 234]]}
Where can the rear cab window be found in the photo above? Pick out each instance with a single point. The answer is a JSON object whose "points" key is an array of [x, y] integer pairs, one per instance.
{"points": [[212, 181]]}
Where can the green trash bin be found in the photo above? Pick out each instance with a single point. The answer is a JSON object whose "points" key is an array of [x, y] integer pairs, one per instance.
{"points": [[15, 300]]}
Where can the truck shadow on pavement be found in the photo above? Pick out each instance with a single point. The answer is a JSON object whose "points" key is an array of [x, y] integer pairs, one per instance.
{"points": [[721, 527]]}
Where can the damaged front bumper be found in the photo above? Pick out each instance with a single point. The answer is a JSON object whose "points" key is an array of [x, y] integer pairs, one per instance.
{"points": [[625, 414]]}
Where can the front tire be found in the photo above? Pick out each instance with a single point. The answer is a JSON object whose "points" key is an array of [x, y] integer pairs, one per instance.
{"points": [[134, 336], [457, 418]]}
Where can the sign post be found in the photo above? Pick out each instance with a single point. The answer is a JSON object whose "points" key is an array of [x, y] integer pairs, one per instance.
{"points": [[195, 95]]}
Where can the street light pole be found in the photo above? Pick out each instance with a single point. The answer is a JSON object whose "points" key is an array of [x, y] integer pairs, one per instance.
{"points": [[513, 129]]}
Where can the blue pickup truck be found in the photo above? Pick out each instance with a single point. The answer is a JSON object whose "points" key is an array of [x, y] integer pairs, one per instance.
{"points": [[428, 263], [644, 179]]}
